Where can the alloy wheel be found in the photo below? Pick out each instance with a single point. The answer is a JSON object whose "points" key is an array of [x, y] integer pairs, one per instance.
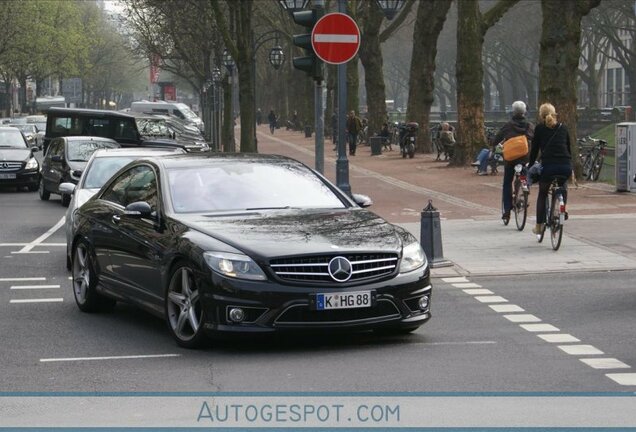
{"points": [[183, 305], [81, 274]]}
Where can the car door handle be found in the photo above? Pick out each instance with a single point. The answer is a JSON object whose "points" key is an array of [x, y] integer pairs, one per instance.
{"points": [[116, 218]]}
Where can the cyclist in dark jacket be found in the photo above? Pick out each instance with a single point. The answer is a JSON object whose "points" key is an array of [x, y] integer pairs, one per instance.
{"points": [[517, 126], [552, 139]]}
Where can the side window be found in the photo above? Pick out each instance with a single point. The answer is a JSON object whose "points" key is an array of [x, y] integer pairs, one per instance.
{"points": [[136, 184], [126, 129], [160, 111], [96, 127], [62, 125], [116, 192], [178, 113]]}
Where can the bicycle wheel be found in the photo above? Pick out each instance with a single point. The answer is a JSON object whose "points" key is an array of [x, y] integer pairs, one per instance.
{"points": [[597, 165], [556, 229], [586, 166], [521, 209]]}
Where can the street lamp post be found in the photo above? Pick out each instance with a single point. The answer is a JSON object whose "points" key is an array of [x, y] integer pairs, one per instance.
{"points": [[216, 111], [276, 59], [228, 62]]}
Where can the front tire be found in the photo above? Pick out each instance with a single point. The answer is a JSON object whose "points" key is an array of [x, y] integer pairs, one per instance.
{"points": [[85, 282], [44, 194], [183, 309]]}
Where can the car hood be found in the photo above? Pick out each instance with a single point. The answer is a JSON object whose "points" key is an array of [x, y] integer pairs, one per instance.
{"points": [[14, 154], [270, 234]]}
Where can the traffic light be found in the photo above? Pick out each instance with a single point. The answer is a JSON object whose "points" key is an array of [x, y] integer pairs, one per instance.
{"points": [[309, 63]]}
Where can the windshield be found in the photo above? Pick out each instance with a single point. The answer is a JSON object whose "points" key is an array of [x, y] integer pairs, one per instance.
{"points": [[103, 168], [11, 138], [248, 186], [186, 111], [81, 151], [26, 128]]}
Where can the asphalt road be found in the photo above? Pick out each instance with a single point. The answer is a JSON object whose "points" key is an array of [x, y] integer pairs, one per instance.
{"points": [[49, 345]]}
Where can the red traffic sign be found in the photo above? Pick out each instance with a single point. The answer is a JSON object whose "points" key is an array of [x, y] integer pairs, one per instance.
{"points": [[335, 38]]}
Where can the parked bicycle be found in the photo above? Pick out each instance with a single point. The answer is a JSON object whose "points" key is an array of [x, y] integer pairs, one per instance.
{"points": [[520, 194], [555, 212], [592, 157]]}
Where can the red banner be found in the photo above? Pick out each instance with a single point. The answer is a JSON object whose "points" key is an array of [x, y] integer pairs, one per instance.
{"points": [[154, 69]]}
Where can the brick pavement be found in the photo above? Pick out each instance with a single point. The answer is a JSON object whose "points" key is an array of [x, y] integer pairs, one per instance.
{"points": [[600, 235]]}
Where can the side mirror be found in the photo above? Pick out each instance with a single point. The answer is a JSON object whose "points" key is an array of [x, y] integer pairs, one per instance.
{"points": [[139, 209], [35, 149], [77, 173], [56, 158], [67, 188], [362, 200]]}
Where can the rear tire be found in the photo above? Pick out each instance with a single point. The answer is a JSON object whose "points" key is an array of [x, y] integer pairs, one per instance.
{"points": [[85, 282], [556, 229], [597, 165], [521, 209], [44, 194]]}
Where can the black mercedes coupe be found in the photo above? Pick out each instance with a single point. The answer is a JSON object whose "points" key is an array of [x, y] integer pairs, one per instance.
{"points": [[245, 243]]}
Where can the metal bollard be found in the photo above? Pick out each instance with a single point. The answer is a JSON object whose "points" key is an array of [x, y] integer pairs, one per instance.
{"points": [[431, 237]]}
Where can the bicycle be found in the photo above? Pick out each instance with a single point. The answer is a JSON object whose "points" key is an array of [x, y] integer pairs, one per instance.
{"points": [[593, 157], [555, 212], [520, 194]]}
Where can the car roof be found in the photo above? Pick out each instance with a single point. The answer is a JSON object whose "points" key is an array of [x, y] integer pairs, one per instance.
{"points": [[85, 111], [74, 138], [200, 159], [142, 152]]}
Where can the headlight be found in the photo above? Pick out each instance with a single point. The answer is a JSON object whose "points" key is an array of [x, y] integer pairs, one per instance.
{"points": [[234, 265], [32, 164], [413, 257]]}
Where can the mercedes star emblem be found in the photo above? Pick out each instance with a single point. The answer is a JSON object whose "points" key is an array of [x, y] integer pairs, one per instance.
{"points": [[340, 269]]}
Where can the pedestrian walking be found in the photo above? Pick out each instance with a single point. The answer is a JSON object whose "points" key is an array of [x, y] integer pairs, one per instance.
{"points": [[271, 118], [354, 125], [259, 117]]}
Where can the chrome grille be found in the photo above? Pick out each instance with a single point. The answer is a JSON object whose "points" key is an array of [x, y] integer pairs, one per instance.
{"points": [[315, 268], [10, 166]]}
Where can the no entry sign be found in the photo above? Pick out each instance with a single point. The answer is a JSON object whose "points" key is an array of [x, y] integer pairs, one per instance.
{"points": [[335, 38]]}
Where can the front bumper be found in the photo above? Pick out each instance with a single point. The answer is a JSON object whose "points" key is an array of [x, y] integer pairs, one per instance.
{"points": [[271, 307], [22, 178]]}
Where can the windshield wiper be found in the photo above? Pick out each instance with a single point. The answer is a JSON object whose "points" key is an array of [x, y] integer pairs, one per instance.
{"points": [[269, 208]]}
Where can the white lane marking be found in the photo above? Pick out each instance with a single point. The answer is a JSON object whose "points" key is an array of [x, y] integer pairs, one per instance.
{"points": [[539, 327], [456, 343], [69, 359], [336, 38], [605, 363], [26, 279], [580, 350], [454, 279], [491, 299], [507, 308], [520, 318], [478, 291], [29, 252], [559, 338], [40, 300], [43, 237], [623, 378], [466, 285], [30, 287], [25, 244]]}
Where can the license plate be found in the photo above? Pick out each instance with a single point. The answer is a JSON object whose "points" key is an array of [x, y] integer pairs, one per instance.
{"points": [[7, 176], [348, 300]]}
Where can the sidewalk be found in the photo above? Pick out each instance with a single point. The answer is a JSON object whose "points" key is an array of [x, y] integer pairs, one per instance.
{"points": [[600, 234]]}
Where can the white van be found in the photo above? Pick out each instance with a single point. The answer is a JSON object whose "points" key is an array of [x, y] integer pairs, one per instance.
{"points": [[179, 110]]}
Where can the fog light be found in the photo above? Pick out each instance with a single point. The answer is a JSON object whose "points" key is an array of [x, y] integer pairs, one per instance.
{"points": [[423, 303], [237, 314]]}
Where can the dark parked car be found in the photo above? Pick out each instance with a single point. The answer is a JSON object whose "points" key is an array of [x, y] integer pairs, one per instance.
{"points": [[118, 126], [65, 161], [18, 167], [236, 243]]}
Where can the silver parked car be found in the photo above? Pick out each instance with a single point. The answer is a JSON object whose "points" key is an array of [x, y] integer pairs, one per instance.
{"points": [[99, 169]]}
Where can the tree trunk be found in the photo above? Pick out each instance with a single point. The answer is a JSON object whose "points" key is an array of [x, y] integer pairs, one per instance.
{"points": [[371, 57], [559, 61], [227, 130], [471, 28], [428, 25]]}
